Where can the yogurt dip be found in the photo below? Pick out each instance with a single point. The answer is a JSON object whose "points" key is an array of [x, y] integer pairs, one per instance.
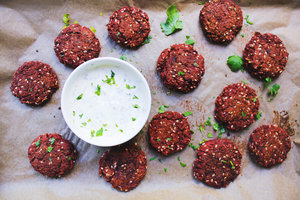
{"points": [[106, 101]]}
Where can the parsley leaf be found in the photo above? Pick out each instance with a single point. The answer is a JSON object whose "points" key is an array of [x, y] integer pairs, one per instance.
{"points": [[81, 115], [92, 133], [243, 35], [162, 109], [180, 73], [235, 63], [187, 113], [98, 90], [79, 97], [201, 128], [66, 20], [258, 116], [133, 119], [193, 146], [208, 122], [247, 20], [189, 41], [110, 80], [128, 87], [165, 169], [136, 106], [273, 91], [147, 40], [153, 158], [74, 113], [135, 97], [172, 23], [182, 164], [210, 135], [267, 82]]}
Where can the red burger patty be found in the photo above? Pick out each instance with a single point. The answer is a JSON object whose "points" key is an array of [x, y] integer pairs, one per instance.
{"points": [[75, 45], [218, 163], [52, 155], [123, 166], [129, 26], [34, 82], [221, 20], [169, 132], [181, 67], [268, 145], [237, 106], [265, 56]]}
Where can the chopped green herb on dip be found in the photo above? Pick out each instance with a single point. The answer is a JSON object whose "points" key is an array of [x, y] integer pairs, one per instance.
{"points": [[99, 132], [92, 133], [135, 106], [135, 97], [128, 87], [172, 23], [98, 90], [79, 97], [81, 115], [133, 119], [74, 113]]}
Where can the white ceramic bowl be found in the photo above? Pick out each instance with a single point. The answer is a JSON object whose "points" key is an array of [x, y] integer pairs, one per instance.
{"points": [[110, 114]]}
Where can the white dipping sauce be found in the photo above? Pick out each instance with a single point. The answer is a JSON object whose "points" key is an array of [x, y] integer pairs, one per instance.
{"points": [[116, 113]]}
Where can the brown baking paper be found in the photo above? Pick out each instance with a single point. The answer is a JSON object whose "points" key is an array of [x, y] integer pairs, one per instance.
{"points": [[27, 32]]}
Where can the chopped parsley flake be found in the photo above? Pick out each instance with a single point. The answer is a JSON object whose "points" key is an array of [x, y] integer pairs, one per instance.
{"points": [[162, 109], [92, 133], [243, 35], [201, 128], [147, 40], [135, 97], [123, 57], [81, 115], [182, 164], [254, 100], [165, 169], [121, 130], [80, 96], [208, 122], [153, 158], [135, 106], [52, 140], [99, 132], [38, 143], [235, 63], [154, 93], [105, 125], [189, 41], [216, 127], [74, 113], [180, 73], [232, 165], [267, 82], [243, 114], [84, 123], [193, 146], [187, 113], [89, 120], [244, 82], [169, 139], [133, 119], [128, 87], [69, 158], [258, 116], [201, 2], [158, 140], [224, 161], [178, 158], [172, 23], [93, 29], [247, 20], [98, 90], [118, 33], [222, 130], [49, 149], [210, 135]]}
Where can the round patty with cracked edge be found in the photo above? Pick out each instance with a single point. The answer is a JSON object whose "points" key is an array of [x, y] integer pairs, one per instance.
{"points": [[169, 132], [265, 56], [52, 155], [34, 82], [218, 163], [181, 68], [269, 145], [237, 106], [221, 20], [129, 26], [75, 45], [123, 166]]}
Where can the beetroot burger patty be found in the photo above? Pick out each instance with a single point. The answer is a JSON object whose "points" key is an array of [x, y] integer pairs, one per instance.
{"points": [[169, 132], [265, 56], [123, 166], [181, 67], [52, 155], [34, 82], [75, 45], [268, 145], [221, 20], [129, 26], [218, 163], [236, 106]]}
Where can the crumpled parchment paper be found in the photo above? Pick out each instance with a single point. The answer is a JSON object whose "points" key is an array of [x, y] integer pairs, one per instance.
{"points": [[27, 32]]}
